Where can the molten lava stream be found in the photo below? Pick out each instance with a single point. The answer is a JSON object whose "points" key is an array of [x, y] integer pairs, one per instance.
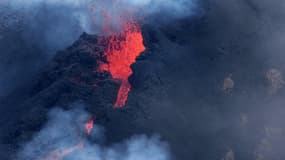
{"points": [[122, 50]]}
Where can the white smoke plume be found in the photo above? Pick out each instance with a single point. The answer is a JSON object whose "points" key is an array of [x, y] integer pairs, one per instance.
{"points": [[55, 24], [80, 9], [174, 8], [65, 129], [147, 7]]}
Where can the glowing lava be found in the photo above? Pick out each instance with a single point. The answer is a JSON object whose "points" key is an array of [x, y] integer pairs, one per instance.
{"points": [[89, 126], [121, 52]]}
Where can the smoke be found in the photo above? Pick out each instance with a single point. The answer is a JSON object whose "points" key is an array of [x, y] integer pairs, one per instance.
{"points": [[64, 130], [173, 8], [89, 16], [237, 42]]}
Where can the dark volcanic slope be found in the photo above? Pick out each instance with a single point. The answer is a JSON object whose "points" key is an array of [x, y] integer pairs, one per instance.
{"points": [[70, 80]]}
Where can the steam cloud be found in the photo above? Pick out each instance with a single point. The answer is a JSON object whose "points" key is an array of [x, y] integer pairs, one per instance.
{"points": [[65, 129], [79, 10], [174, 8], [147, 7]]}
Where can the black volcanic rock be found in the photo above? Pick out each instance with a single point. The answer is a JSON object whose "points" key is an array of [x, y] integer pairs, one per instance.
{"points": [[72, 75]]}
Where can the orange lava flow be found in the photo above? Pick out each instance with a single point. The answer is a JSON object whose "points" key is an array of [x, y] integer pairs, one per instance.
{"points": [[122, 50]]}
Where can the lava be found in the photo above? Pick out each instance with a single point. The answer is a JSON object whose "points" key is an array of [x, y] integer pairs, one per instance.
{"points": [[89, 126], [121, 52]]}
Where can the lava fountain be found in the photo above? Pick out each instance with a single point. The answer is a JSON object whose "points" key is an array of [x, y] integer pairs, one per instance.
{"points": [[121, 52]]}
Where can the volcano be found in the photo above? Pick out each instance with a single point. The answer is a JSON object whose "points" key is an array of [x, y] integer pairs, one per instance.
{"points": [[210, 83], [95, 70], [78, 74]]}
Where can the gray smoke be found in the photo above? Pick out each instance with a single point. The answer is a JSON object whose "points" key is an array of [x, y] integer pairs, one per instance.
{"points": [[65, 129], [173, 8], [88, 14]]}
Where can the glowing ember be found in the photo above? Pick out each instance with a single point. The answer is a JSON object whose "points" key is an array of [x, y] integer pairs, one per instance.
{"points": [[89, 126], [122, 50]]}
